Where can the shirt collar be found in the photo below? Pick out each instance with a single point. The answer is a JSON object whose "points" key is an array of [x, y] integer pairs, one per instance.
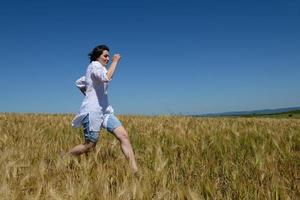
{"points": [[97, 63]]}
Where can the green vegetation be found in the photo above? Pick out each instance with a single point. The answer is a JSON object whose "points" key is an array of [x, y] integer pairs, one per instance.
{"points": [[178, 157], [291, 114]]}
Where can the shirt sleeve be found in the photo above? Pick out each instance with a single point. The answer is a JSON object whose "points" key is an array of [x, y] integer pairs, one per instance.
{"points": [[81, 84], [99, 74]]}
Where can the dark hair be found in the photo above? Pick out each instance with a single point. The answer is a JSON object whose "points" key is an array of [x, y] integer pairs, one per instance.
{"points": [[97, 52]]}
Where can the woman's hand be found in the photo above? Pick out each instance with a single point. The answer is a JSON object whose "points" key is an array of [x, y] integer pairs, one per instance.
{"points": [[116, 58]]}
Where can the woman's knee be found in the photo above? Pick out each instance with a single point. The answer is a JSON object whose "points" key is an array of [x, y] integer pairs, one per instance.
{"points": [[89, 146], [121, 134]]}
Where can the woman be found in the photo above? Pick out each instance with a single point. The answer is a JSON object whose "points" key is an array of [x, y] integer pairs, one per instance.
{"points": [[95, 112]]}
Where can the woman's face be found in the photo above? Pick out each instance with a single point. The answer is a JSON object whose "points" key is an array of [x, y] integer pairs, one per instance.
{"points": [[104, 58]]}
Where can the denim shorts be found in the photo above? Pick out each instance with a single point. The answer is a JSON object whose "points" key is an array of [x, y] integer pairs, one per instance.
{"points": [[93, 136]]}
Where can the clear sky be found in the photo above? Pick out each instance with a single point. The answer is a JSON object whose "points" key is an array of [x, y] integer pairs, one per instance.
{"points": [[188, 57]]}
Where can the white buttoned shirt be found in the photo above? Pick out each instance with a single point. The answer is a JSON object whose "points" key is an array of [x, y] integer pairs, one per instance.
{"points": [[95, 104]]}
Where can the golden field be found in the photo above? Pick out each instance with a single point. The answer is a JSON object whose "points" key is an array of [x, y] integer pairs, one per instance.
{"points": [[178, 157]]}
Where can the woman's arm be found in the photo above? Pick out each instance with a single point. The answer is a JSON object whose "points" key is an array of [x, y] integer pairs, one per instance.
{"points": [[113, 66], [81, 84]]}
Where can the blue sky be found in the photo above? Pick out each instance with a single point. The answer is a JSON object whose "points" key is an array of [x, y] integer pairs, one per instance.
{"points": [[188, 57]]}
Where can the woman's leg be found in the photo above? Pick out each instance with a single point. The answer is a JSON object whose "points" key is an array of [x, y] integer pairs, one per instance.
{"points": [[82, 148], [121, 134], [91, 138]]}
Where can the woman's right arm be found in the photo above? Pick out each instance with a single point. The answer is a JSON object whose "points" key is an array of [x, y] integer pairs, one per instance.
{"points": [[113, 66]]}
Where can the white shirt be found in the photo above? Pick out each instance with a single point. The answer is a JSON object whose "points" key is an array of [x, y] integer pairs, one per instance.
{"points": [[95, 86]]}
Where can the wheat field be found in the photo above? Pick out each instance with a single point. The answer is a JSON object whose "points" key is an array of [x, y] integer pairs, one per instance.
{"points": [[178, 157]]}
